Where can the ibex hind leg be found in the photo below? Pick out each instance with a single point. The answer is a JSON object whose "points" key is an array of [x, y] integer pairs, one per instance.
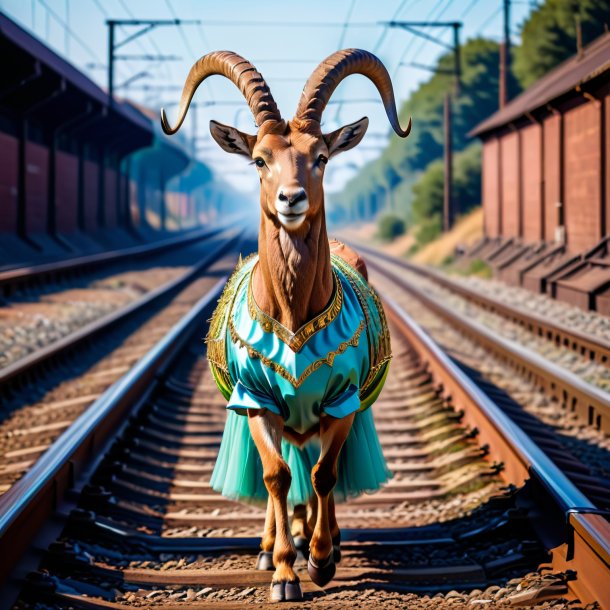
{"points": [[265, 557], [301, 531], [266, 429]]}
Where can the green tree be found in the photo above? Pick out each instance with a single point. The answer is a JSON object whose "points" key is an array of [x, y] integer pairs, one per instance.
{"points": [[428, 191], [403, 160], [548, 36]]}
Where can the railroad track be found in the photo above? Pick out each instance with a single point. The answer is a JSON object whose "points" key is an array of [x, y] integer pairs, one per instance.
{"points": [[46, 306], [474, 505], [45, 392], [531, 353]]}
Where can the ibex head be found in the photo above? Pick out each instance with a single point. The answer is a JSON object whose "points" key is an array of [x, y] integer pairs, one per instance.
{"points": [[290, 156]]}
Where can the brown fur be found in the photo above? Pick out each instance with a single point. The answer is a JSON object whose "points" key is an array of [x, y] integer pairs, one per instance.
{"points": [[292, 283]]}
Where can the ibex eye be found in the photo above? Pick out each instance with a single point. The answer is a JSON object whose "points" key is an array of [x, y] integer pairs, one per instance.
{"points": [[259, 162], [322, 159]]}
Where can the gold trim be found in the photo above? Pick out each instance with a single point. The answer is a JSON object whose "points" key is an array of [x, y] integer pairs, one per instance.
{"points": [[314, 366], [216, 337], [296, 340], [381, 353]]}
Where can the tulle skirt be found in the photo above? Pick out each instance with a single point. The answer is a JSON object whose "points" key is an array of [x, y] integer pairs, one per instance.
{"points": [[238, 473]]}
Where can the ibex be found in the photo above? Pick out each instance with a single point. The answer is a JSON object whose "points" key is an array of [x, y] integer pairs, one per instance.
{"points": [[298, 343]]}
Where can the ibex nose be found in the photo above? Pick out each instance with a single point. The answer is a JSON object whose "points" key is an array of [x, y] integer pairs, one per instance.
{"points": [[292, 196]]}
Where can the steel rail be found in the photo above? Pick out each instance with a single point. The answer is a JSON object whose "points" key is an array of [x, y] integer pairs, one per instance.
{"points": [[29, 272], [586, 344], [25, 364], [588, 533], [588, 402], [31, 501]]}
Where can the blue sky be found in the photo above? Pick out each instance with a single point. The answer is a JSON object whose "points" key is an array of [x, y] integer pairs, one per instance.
{"points": [[284, 39]]}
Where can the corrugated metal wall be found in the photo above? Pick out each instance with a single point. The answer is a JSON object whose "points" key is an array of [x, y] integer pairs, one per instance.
{"points": [[91, 194], [66, 192], [8, 183], [491, 187], [36, 193], [531, 171], [607, 167], [582, 176], [110, 198], [552, 174], [510, 185]]}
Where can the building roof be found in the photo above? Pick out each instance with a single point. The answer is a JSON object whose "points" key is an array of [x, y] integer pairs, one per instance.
{"points": [[34, 47], [593, 61]]}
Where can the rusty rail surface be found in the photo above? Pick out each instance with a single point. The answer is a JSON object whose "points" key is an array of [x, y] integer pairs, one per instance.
{"points": [[586, 344], [587, 550], [588, 402], [31, 501]]}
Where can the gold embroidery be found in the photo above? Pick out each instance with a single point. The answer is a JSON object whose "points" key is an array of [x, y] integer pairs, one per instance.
{"points": [[216, 337], [381, 353], [296, 340], [314, 366]]}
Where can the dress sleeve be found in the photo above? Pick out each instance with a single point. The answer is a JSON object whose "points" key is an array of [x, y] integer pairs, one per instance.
{"points": [[243, 398], [347, 402]]}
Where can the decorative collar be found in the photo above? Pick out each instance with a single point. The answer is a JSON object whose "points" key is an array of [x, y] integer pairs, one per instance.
{"points": [[296, 340]]}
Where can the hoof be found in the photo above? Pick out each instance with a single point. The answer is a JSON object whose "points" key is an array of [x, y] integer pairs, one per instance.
{"points": [[265, 561], [286, 592], [302, 546], [337, 548], [321, 572]]}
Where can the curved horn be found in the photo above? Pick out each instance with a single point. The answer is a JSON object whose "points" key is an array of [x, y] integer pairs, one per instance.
{"points": [[241, 72], [330, 72]]}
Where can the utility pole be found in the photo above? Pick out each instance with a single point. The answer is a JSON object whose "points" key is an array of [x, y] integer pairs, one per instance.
{"points": [[448, 211], [449, 204], [113, 45], [505, 56]]}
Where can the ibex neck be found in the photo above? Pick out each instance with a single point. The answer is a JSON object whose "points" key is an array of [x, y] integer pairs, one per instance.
{"points": [[293, 280]]}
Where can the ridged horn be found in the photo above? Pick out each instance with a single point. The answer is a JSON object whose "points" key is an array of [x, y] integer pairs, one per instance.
{"points": [[330, 72], [239, 71]]}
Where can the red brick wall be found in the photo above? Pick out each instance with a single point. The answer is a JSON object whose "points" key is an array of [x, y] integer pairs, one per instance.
{"points": [[531, 153], [582, 165], [9, 149], [607, 170], [491, 188], [110, 197], [66, 192], [91, 192], [552, 174], [511, 215], [36, 187]]}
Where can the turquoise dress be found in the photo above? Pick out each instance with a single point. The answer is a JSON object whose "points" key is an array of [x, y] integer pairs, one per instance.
{"points": [[335, 364]]}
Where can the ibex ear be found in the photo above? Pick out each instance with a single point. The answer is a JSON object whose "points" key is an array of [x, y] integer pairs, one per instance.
{"points": [[345, 138], [232, 140]]}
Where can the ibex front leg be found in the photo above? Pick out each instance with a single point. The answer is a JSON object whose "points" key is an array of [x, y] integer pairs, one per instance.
{"points": [[266, 429], [333, 432]]}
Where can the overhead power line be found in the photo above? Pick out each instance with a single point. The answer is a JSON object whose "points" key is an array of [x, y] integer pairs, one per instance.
{"points": [[67, 28]]}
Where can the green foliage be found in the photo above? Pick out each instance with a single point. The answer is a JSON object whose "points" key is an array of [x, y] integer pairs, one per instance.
{"points": [[429, 229], [548, 36], [479, 267], [390, 226], [403, 161], [467, 177], [428, 191]]}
